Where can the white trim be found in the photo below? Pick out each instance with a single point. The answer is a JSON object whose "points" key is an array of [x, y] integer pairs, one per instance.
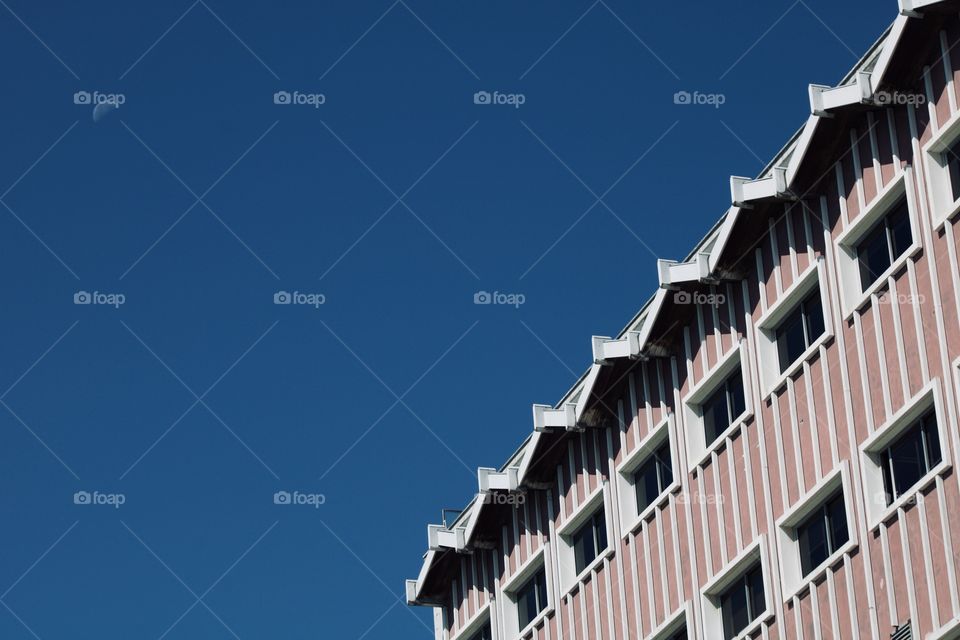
{"points": [[698, 449], [939, 188], [482, 617], [948, 631], [743, 190], [930, 396], [630, 518], [793, 580], [673, 272], [546, 417], [710, 592], [852, 295], [913, 8], [825, 99], [768, 354], [887, 50], [606, 349], [682, 617]]}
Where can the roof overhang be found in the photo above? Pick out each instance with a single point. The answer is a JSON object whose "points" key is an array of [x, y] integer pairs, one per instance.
{"points": [[826, 100]]}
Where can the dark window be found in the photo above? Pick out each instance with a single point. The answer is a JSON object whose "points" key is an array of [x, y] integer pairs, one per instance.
{"points": [[884, 243], [952, 157], [653, 477], [800, 330], [532, 598], [822, 534], [911, 457], [743, 602], [589, 541], [679, 635], [723, 407], [483, 633]]}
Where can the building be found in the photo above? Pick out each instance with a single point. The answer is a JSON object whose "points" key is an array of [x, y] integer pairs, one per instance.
{"points": [[766, 449]]}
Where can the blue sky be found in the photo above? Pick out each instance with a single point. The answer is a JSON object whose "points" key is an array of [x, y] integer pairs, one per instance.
{"points": [[183, 391]]}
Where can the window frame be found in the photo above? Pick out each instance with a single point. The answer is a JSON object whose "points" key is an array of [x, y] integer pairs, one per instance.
{"points": [[483, 617], [698, 449], [711, 593], [664, 433], [814, 277], [540, 560], [795, 581], [853, 296], [681, 619], [805, 318], [929, 397], [939, 185], [570, 578]]}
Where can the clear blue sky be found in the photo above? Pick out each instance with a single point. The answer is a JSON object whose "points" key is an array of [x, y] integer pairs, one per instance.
{"points": [[198, 398]]}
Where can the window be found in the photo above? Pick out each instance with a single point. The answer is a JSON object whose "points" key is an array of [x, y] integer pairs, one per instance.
{"points": [[653, 477], [879, 241], [531, 598], [724, 406], [905, 454], [952, 159], [912, 456], [743, 602], [589, 541], [799, 330], [883, 244], [484, 633], [822, 534]]}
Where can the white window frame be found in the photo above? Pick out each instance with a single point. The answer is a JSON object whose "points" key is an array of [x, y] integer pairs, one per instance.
{"points": [[570, 580], [852, 296], [939, 190], [950, 630], [814, 277], [711, 592], [511, 617], [929, 397], [482, 617], [630, 518], [683, 617], [698, 449], [794, 581]]}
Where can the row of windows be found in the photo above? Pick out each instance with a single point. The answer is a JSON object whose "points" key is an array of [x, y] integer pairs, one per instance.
{"points": [[818, 537]]}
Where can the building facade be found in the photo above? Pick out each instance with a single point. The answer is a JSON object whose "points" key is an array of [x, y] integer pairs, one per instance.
{"points": [[766, 450]]}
